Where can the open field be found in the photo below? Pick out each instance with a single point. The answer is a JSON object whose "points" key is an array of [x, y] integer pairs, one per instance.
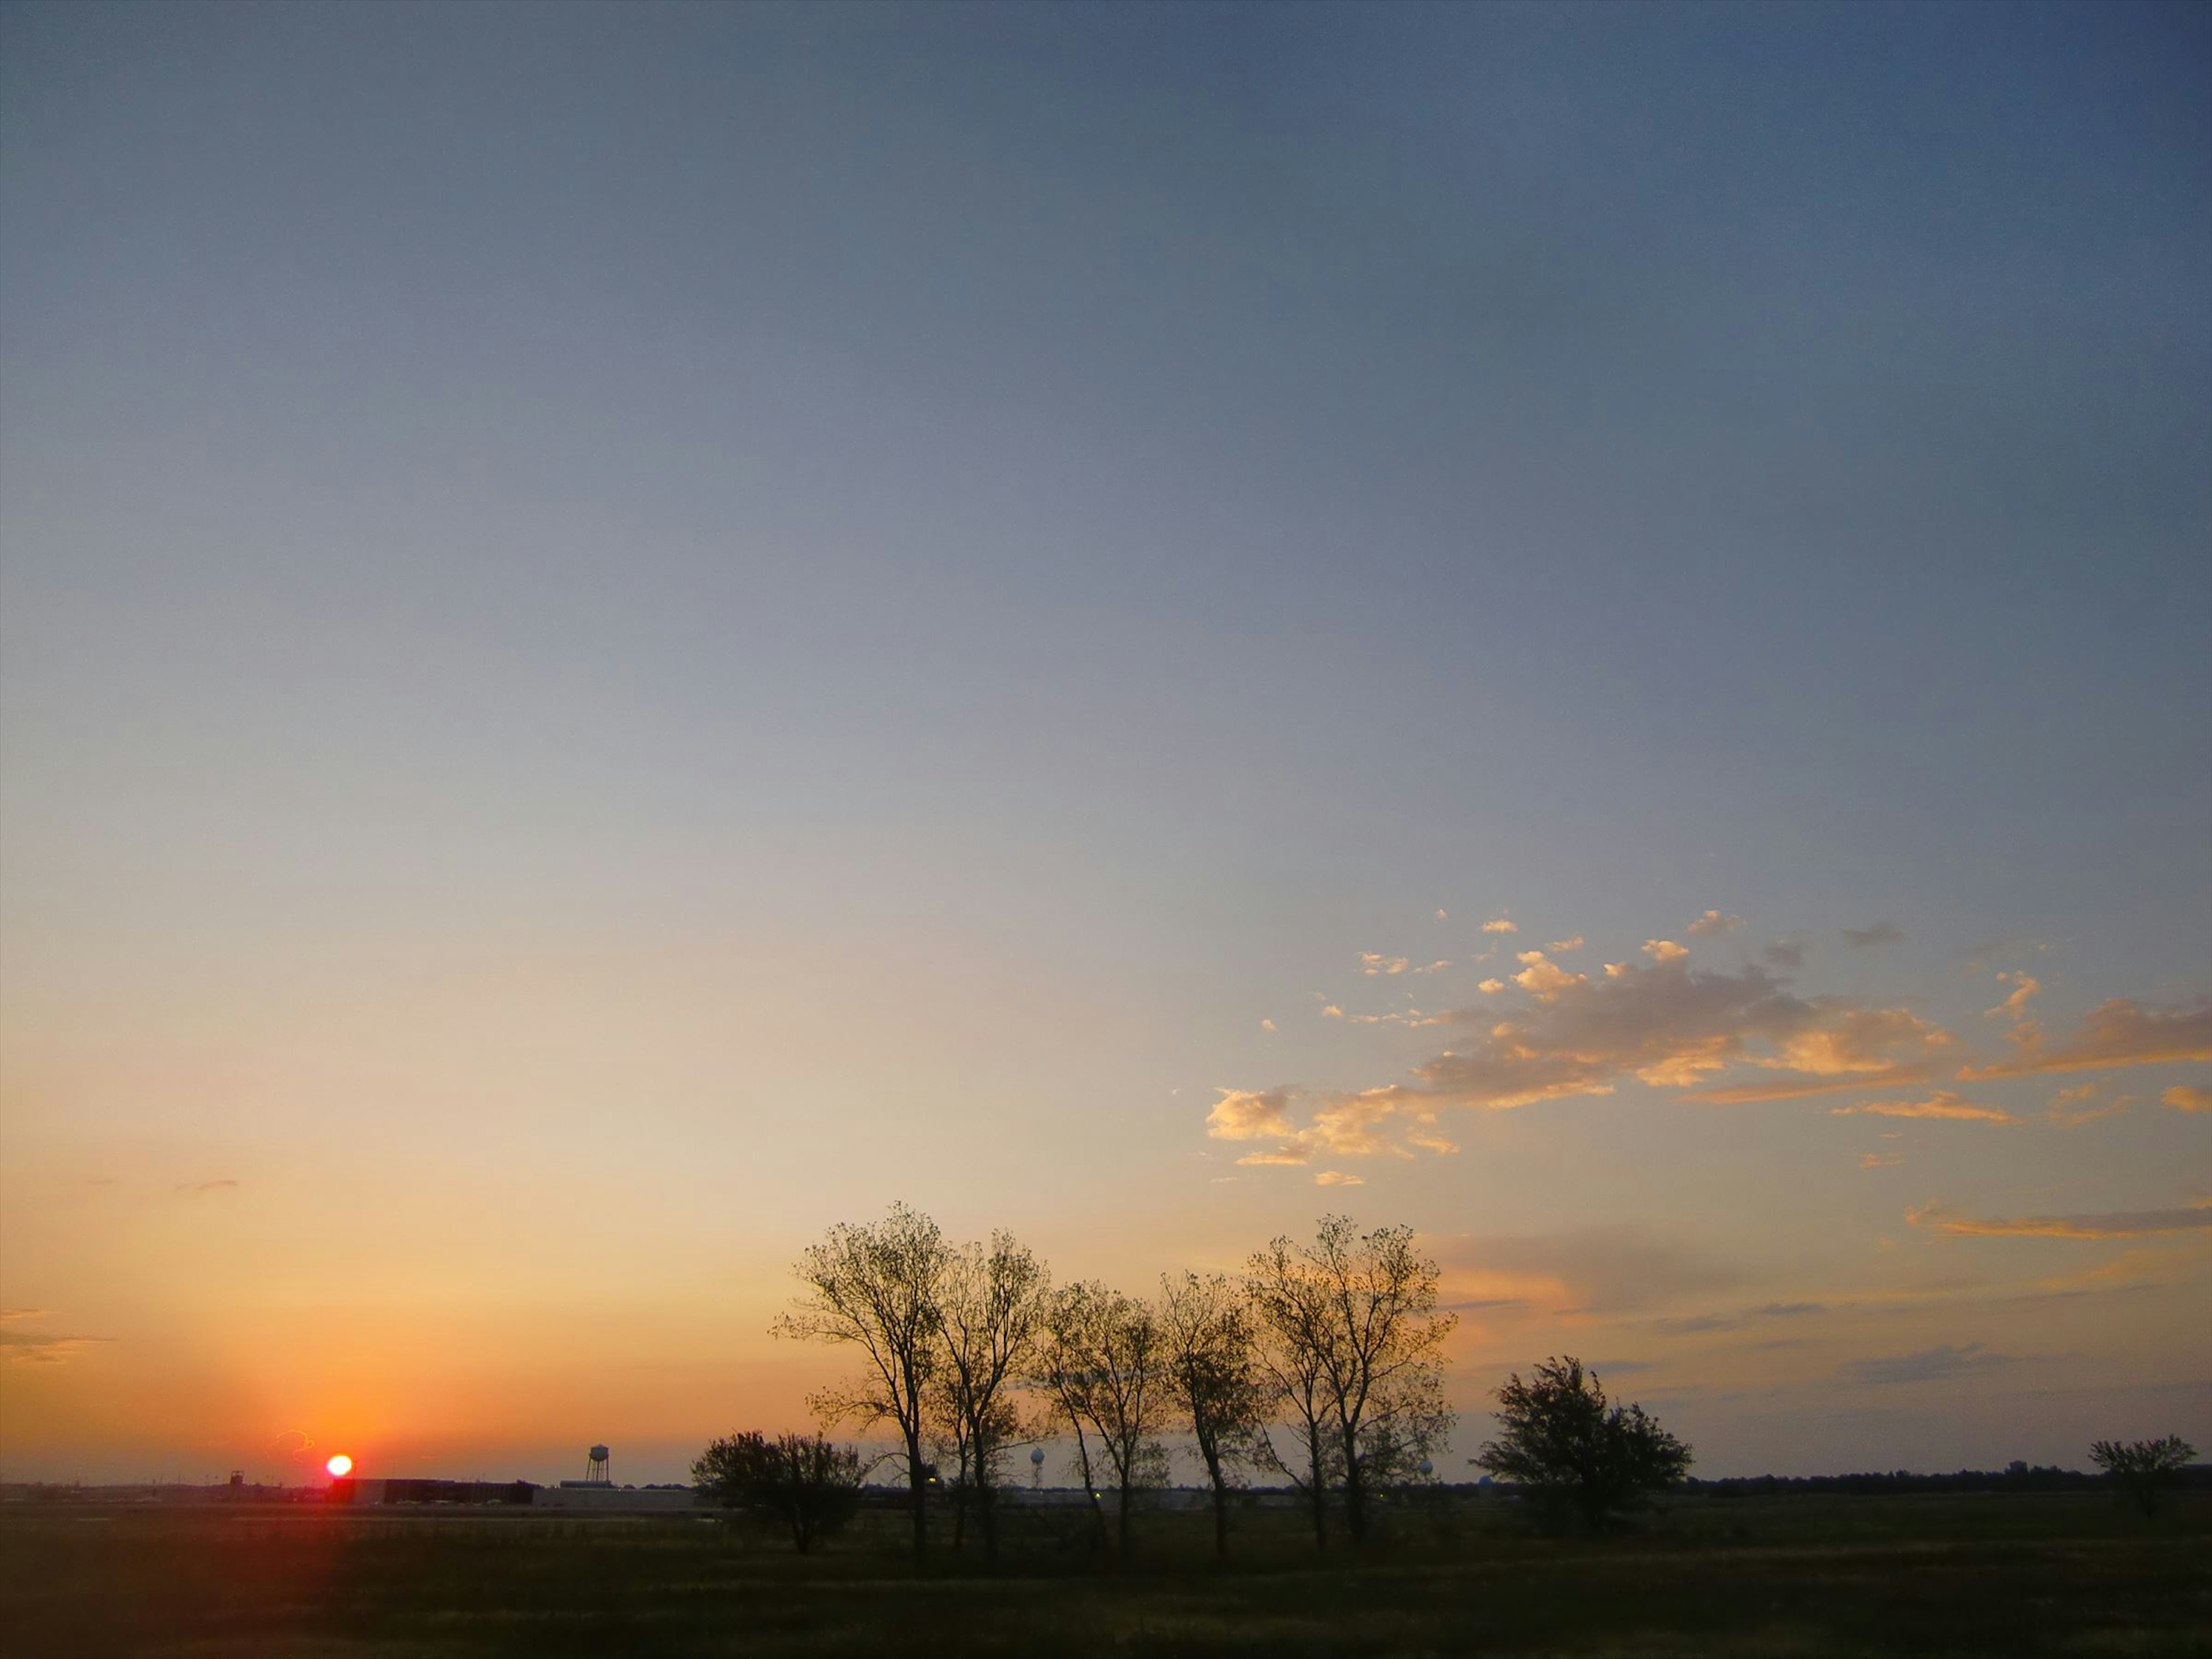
{"points": [[1802, 1576]]}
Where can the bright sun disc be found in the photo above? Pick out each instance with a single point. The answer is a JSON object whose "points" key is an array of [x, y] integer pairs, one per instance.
{"points": [[341, 1466]]}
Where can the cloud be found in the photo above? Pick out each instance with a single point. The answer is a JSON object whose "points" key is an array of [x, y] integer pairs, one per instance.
{"points": [[1856, 1039], [1785, 953], [1543, 978], [1615, 1267], [37, 1348], [1663, 950], [1371, 963], [2065, 1118], [1881, 1160], [1665, 1024], [205, 1186], [1267, 1024], [1797, 1089], [1340, 1123], [1500, 925], [1331, 1011], [2014, 1008], [1573, 943], [1491, 988], [2126, 1223], [1704, 1322], [1943, 1104], [1929, 1366], [2188, 1097], [1713, 922], [1882, 933], [1440, 915], [1338, 1178], [2117, 1032], [1250, 1115]]}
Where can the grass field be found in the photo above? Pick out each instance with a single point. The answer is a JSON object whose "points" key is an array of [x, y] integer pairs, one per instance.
{"points": [[1796, 1575]]}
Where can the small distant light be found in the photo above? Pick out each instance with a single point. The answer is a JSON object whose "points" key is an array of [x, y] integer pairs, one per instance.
{"points": [[340, 1466]]}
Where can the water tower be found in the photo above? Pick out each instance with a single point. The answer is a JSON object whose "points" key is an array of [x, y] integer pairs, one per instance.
{"points": [[595, 1472]]}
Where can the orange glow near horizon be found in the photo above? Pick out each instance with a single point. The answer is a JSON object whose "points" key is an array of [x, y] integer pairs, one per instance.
{"points": [[340, 1466]]}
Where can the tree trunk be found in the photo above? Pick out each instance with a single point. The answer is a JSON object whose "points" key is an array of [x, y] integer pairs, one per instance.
{"points": [[1220, 1520], [987, 1513], [1355, 1494], [1317, 1489], [918, 1485], [1124, 1530]]}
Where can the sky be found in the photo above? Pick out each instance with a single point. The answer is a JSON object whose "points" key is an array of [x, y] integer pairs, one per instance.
{"points": [[627, 632]]}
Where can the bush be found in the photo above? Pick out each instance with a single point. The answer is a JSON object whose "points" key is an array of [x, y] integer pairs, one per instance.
{"points": [[810, 1484], [1563, 1439], [2143, 1470]]}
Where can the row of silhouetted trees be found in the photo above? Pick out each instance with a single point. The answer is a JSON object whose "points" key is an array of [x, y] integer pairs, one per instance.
{"points": [[1322, 1363]]}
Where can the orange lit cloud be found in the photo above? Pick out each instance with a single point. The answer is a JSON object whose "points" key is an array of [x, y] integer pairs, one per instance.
{"points": [[2117, 1032], [1666, 1025], [1500, 925], [2188, 1097], [1942, 1103], [2129, 1223], [1714, 922], [2014, 1007]]}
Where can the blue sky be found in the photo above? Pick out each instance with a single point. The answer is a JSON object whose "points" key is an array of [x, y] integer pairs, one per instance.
{"points": [[611, 596]]}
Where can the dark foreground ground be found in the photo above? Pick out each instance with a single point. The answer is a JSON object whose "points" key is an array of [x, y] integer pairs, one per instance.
{"points": [[1798, 1575]]}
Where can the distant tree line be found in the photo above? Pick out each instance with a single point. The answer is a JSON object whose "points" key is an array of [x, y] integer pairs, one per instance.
{"points": [[1323, 1364]]}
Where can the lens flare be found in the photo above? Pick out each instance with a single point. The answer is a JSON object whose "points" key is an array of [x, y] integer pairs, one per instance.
{"points": [[340, 1466]]}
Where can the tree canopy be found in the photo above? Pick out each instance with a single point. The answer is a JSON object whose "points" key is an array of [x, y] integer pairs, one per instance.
{"points": [[1561, 1437]]}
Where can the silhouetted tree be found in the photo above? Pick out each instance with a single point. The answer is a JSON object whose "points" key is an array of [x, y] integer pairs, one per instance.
{"points": [[1562, 1437], [1105, 1371], [1362, 1307], [1291, 1316], [1213, 1367], [812, 1486], [879, 1288], [2142, 1470], [992, 1306]]}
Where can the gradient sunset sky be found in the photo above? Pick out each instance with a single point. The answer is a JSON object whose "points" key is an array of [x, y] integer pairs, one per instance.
{"points": [[629, 631]]}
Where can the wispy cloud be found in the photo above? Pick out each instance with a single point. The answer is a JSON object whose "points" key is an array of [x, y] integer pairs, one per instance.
{"points": [[2188, 1097], [1699, 1323], [1616, 1268], [2117, 1032], [2068, 1112], [1882, 933], [1799, 1088], [197, 1187], [2014, 1007], [1500, 925], [1943, 1104], [1338, 1178], [38, 1347], [2122, 1223], [1713, 922], [1881, 1160], [1664, 1023], [1929, 1366], [1572, 942]]}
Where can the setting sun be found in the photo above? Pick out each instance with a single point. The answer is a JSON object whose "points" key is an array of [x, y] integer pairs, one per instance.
{"points": [[340, 1466]]}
